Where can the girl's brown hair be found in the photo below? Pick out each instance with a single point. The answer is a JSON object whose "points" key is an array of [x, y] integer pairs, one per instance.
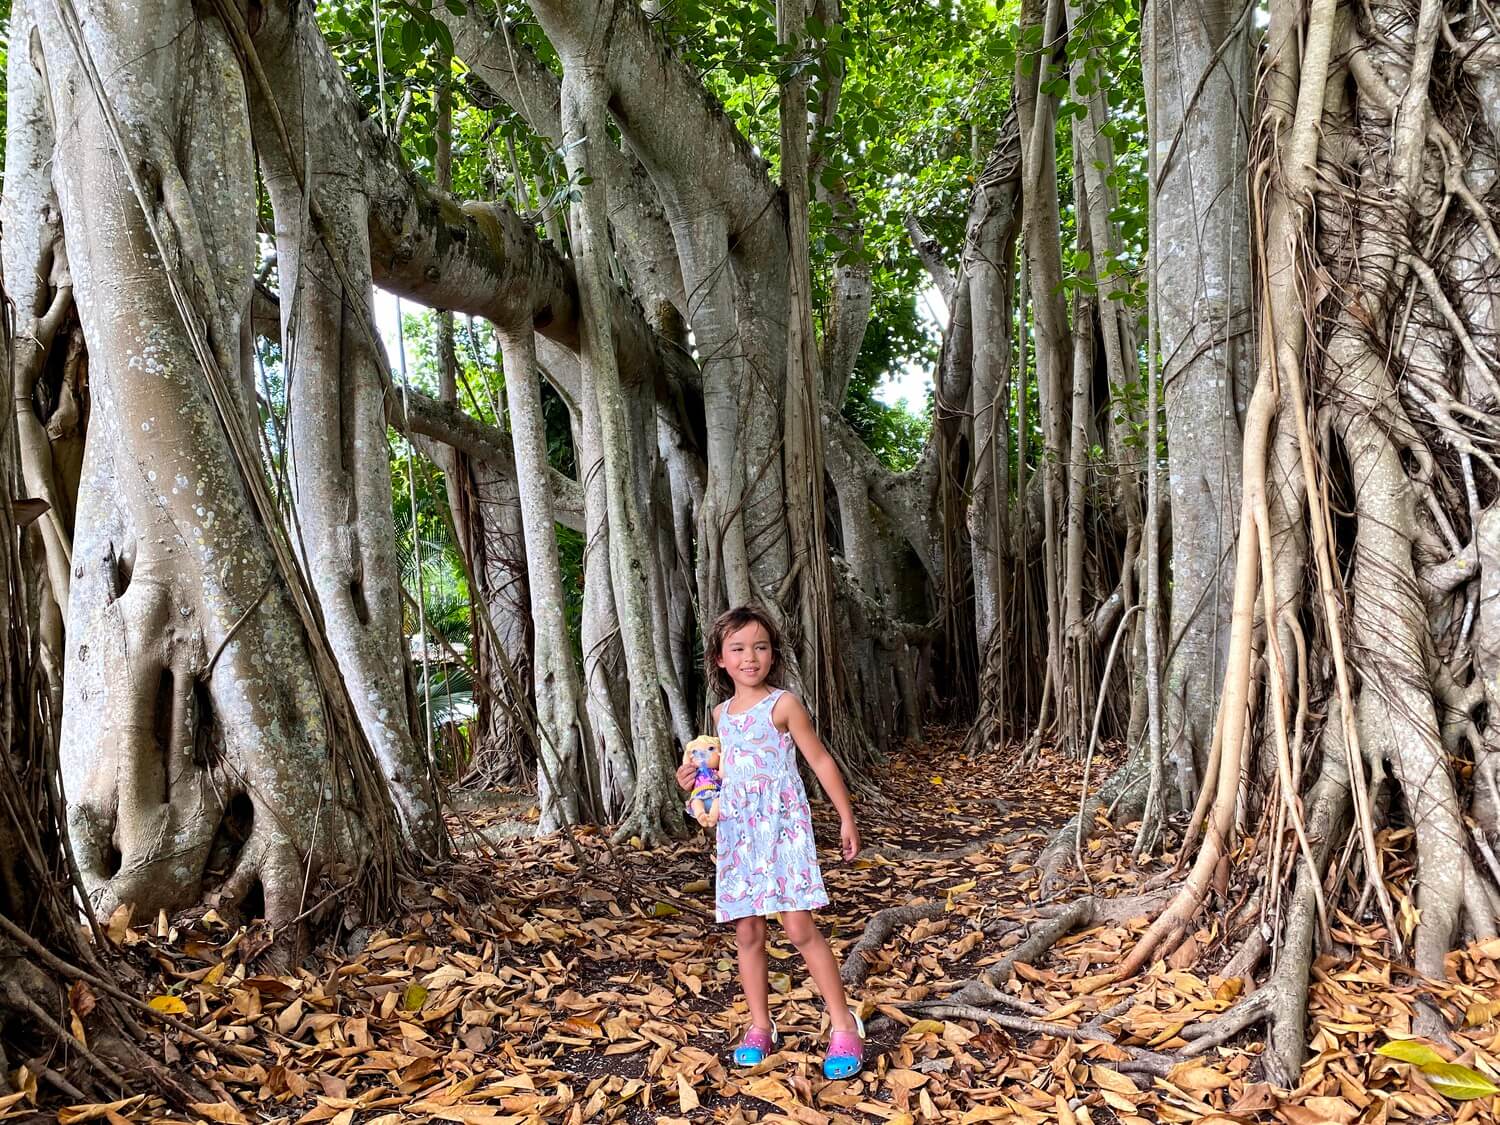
{"points": [[732, 621]]}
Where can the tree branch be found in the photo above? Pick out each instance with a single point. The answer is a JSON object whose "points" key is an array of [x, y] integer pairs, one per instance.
{"points": [[513, 72], [676, 128], [449, 424], [931, 253]]}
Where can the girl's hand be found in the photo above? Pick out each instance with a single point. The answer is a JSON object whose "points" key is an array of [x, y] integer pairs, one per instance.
{"points": [[685, 774], [849, 842]]}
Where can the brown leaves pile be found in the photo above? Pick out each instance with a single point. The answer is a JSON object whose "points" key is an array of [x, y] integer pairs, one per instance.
{"points": [[528, 987]]}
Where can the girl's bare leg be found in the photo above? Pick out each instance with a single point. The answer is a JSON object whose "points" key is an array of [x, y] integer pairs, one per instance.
{"points": [[750, 943], [803, 932]]}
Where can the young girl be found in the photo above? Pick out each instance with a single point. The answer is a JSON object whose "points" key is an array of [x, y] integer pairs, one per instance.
{"points": [[767, 862]]}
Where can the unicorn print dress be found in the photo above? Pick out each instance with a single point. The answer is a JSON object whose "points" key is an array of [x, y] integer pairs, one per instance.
{"points": [[767, 861]]}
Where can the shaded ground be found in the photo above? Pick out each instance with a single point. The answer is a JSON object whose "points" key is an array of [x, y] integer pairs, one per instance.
{"points": [[547, 982]]}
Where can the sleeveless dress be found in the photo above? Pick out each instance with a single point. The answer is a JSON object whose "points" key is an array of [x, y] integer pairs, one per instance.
{"points": [[767, 860]]}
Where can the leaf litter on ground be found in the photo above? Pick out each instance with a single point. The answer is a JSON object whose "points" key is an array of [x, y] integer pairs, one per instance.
{"points": [[532, 982]]}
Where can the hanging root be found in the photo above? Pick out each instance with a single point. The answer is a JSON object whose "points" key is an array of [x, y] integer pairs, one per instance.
{"points": [[1282, 1000]]}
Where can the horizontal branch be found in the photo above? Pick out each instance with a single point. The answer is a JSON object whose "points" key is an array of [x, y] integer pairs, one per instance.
{"points": [[514, 74], [446, 423], [672, 123], [930, 251], [484, 260]]}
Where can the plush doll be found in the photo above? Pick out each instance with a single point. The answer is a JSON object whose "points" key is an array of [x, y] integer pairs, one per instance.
{"points": [[703, 752]]}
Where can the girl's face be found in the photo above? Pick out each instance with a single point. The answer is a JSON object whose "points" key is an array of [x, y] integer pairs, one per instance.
{"points": [[747, 655]]}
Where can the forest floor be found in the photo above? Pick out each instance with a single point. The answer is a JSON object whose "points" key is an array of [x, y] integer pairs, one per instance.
{"points": [[543, 981]]}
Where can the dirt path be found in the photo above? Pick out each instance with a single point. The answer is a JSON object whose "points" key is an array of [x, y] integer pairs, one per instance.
{"points": [[536, 984]]}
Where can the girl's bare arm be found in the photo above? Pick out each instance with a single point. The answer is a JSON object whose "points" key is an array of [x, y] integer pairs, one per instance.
{"points": [[790, 715]]}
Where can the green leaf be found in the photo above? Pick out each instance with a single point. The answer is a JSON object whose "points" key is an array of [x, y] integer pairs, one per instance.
{"points": [[413, 998], [1458, 1082], [456, 7], [1412, 1051]]}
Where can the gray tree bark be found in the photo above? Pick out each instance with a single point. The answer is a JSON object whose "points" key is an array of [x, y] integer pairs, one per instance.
{"points": [[989, 265], [1198, 80], [195, 748], [338, 379], [654, 810], [559, 710]]}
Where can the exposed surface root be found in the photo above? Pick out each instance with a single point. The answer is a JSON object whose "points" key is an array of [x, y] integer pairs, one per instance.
{"points": [[861, 956], [656, 815], [984, 992], [1122, 797]]}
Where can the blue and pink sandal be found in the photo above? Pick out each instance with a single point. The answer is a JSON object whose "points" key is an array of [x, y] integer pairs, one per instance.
{"points": [[846, 1051], [755, 1046]]}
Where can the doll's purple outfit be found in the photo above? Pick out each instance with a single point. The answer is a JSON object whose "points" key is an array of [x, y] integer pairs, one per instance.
{"points": [[767, 860]]}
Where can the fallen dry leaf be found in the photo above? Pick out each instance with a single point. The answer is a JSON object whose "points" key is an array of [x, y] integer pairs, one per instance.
{"points": [[530, 985]]}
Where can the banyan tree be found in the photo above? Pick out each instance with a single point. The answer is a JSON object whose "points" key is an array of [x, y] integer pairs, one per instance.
{"points": [[1209, 470]]}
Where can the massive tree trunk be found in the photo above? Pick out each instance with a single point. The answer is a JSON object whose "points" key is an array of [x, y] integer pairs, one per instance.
{"points": [[1197, 81], [338, 379], [196, 744], [654, 809]]}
